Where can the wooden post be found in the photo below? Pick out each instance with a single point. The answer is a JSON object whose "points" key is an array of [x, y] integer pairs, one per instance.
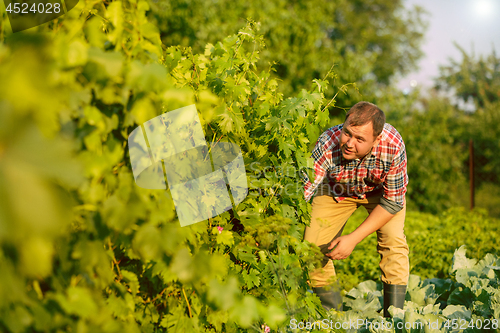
{"points": [[471, 173]]}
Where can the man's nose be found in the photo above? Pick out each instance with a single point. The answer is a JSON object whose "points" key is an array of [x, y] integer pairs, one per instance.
{"points": [[349, 142]]}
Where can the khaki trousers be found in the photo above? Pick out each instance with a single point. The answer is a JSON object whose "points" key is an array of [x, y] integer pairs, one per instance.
{"points": [[328, 219]]}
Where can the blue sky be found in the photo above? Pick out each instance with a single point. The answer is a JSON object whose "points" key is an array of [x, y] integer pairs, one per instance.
{"points": [[472, 24]]}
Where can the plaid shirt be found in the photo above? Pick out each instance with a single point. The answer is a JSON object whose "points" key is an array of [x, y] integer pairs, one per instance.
{"points": [[384, 169]]}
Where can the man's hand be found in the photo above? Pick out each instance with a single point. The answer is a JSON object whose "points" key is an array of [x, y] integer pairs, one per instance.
{"points": [[345, 244], [343, 247]]}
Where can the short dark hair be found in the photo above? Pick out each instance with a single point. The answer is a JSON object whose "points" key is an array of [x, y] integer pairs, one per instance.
{"points": [[364, 112]]}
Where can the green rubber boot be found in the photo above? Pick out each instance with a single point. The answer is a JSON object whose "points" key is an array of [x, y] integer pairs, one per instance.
{"points": [[330, 297], [394, 294]]}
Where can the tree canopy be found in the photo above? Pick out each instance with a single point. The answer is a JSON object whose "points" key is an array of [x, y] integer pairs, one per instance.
{"points": [[367, 43], [475, 80]]}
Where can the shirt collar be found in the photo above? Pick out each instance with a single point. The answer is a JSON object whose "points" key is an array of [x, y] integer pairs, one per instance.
{"points": [[376, 151]]}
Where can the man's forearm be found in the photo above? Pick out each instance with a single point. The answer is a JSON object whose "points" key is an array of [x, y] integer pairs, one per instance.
{"points": [[376, 220]]}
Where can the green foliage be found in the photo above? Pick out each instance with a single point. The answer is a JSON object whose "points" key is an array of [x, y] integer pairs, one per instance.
{"points": [[367, 42], [477, 81], [472, 80], [437, 155], [469, 302], [487, 197], [484, 130], [432, 240], [82, 248]]}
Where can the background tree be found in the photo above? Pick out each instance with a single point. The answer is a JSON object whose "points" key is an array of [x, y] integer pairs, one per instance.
{"points": [[367, 43], [472, 80], [477, 81], [431, 128]]}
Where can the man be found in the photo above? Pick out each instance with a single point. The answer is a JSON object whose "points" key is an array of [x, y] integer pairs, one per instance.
{"points": [[361, 162]]}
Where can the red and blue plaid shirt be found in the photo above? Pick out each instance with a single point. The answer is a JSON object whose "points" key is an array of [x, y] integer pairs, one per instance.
{"points": [[383, 169]]}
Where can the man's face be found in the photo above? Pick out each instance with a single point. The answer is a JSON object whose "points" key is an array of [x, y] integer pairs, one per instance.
{"points": [[357, 141]]}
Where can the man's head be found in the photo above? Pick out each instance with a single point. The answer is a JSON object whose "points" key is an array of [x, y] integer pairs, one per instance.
{"points": [[362, 130]]}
